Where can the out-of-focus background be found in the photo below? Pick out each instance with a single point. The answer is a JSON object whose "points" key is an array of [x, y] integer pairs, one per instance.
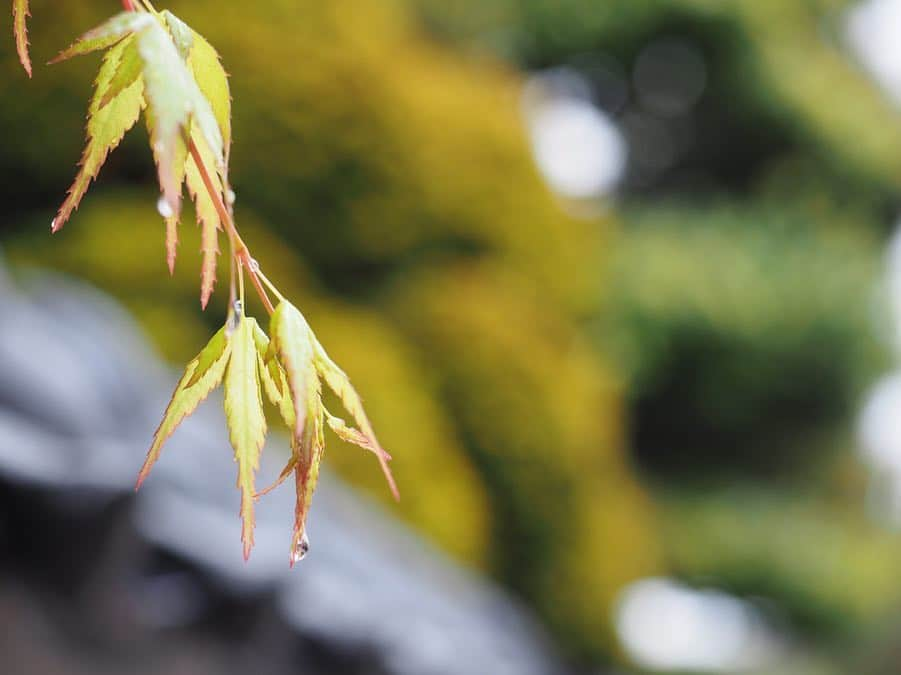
{"points": [[618, 280]]}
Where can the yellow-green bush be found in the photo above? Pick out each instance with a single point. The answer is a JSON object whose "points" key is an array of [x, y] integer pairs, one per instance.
{"points": [[542, 420], [829, 568], [746, 335]]}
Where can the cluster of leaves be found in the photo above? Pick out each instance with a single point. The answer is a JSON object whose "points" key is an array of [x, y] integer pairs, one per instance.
{"points": [[159, 65], [156, 64], [288, 368]]}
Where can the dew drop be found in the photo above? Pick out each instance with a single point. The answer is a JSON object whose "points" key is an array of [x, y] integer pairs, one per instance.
{"points": [[303, 547], [230, 196], [53, 225], [235, 319], [254, 265], [164, 208]]}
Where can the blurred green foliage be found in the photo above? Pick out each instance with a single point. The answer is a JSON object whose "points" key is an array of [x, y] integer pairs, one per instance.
{"points": [[745, 334], [780, 80], [743, 302], [828, 568]]}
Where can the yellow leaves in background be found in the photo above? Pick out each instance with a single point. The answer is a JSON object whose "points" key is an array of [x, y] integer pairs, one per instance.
{"points": [[288, 368]]}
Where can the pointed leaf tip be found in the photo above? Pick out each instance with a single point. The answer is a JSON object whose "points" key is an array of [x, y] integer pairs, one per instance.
{"points": [[339, 383], [106, 34], [20, 27], [171, 243], [182, 35]]}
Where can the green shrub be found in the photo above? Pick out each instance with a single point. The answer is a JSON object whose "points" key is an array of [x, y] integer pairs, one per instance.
{"points": [[746, 335]]}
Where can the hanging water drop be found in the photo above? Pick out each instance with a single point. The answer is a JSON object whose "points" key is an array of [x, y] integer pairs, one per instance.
{"points": [[164, 208], [230, 197], [303, 547], [53, 225], [234, 319], [254, 265]]}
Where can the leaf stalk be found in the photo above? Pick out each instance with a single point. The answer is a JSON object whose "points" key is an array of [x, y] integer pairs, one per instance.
{"points": [[240, 251]]}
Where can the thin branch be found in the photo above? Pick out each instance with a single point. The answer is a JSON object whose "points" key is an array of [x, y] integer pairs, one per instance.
{"points": [[240, 248]]}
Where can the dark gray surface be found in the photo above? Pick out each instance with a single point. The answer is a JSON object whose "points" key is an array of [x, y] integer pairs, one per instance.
{"points": [[97, 579]]}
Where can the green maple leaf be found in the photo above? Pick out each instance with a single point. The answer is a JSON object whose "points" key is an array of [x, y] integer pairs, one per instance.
{"points": [[364, 435], [128, 70], [207, 218], [202, 375], [230, 357], [303, 361], [156, 53], [245, 419], [160, 62], [105, 129]]}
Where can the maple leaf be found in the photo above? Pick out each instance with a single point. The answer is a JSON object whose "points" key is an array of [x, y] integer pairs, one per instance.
{"points": [[230, 357], [128, 70], [175, 100], [303, 361], [364, 436], [151, 50], [202, 375], [207, 218], [207, 68], [245, 419], [213, 82], [20, 28], [105, 129], [168, 67], [293, 345]]}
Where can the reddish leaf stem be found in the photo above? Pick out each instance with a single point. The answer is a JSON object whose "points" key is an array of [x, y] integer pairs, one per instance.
{"points": [[241, 251], [128, 5]]}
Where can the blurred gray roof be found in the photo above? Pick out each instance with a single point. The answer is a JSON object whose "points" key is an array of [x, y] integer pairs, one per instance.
{"points": [[80, 396]]}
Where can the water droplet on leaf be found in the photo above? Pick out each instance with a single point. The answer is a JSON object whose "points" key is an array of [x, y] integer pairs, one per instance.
{"points": [[230, 196], [164, 208], [234, 319], [254, 265], [303, 547], [53, 225]]}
